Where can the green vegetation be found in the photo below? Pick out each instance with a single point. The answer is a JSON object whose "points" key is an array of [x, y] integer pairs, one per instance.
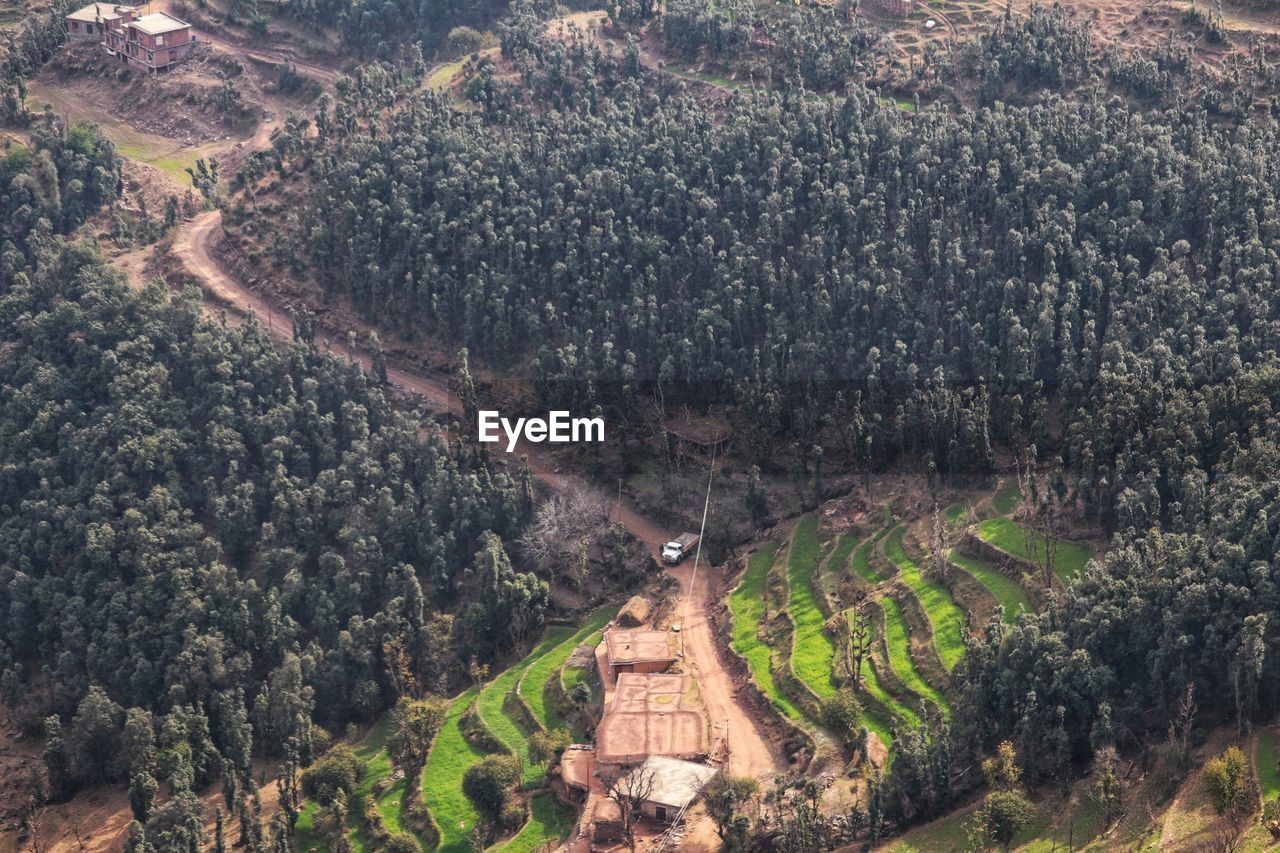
{"points": [[946, 618], [451, 754], [1008, 592], [533, 685], [372, 749], [814, 651], [1005, 501], [493, 698], [898, 643], [1024, 543], [447, 763], [872, 686], [1265, 761], [549, 820], [747, 605], [442, 78], [862, 560]]}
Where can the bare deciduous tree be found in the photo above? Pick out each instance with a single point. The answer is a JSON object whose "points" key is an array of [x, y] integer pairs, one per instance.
{"points": [[1180, 728], [630, 786], [860, 637], [562, 522], [938, 545]]}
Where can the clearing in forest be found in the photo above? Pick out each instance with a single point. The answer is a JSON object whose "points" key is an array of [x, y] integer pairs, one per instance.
{"points": [[946, 618], [1027, 544]]}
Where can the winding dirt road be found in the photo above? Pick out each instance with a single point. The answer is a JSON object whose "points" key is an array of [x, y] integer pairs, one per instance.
{"points": [[749, 752]]}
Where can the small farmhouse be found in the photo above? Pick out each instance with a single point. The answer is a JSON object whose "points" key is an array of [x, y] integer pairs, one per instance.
{"points": [[658, 714], [638, 650], [154, 42], [662, 788], [667, 785]]}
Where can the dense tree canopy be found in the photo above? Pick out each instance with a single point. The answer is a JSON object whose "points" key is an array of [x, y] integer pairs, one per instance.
{"points": [[199, 524], [1079, 274]]}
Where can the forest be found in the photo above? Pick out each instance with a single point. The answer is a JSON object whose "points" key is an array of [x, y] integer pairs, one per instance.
{"points": [[216, 549], [1088, 281], [213, 548]]}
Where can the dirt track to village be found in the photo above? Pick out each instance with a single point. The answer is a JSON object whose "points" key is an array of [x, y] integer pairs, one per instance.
{"points": [[194, 244]]}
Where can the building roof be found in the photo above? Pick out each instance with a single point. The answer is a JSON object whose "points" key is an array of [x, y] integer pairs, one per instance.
{"points": [[159, 23], [98, 12], [577, 763], [652, 714], [702, 430], [627, 646], [675, 783]]}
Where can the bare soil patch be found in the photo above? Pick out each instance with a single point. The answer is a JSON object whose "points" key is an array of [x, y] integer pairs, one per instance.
{"points": [[187, 105]]}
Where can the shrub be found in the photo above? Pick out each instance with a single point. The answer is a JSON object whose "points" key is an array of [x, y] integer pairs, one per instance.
{"points": [[401, 842], [464, 40], [544, 747], [840, 714], [1004, 814], [339, 770], [513, 816], [1230, 782], [488, 784]]}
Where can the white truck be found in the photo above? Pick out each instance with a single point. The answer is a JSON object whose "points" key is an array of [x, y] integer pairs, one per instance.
{"points": [[679, 548]]}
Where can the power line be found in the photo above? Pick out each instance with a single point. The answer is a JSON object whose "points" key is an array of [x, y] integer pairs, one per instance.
{"points": [[697, 554]]}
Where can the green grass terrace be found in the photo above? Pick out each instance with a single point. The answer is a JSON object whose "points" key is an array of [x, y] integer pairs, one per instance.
{"points": [[1026, 544], [946, 618], [746, 603]]}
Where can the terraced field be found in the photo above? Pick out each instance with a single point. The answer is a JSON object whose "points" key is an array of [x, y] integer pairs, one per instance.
{"points": [[746, 603], [838, 562], [490, 705], [1264, 762], [549, 819], [1013, 538], [1005, 501], [946, 618], [448, 760], [1006, 591], [898, 642], [814, 650], [533, 686], [451, 754], [871, 685], [861, 561], [814, 583], [372, 748]]}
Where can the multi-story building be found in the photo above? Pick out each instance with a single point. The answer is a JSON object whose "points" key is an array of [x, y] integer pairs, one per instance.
{"points": [[91, 22], [152, 42]]}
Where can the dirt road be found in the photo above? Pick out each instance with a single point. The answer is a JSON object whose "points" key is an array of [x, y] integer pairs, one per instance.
{"points": [[750, 754]]}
